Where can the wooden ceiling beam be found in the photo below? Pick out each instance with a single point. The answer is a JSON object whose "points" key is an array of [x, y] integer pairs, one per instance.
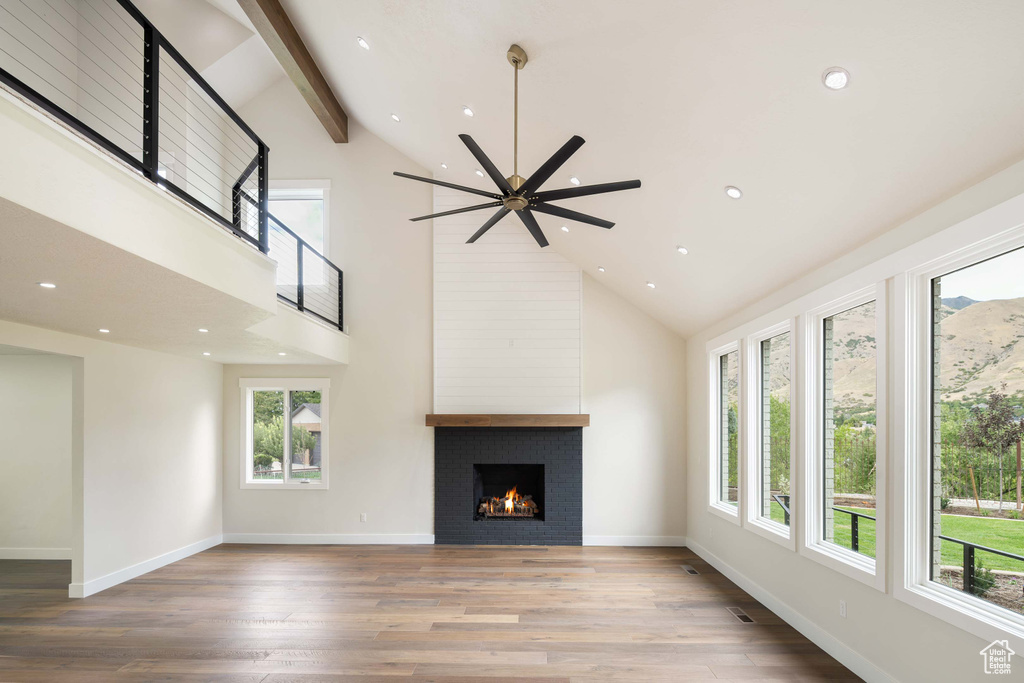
{"points": [[273, 24]]}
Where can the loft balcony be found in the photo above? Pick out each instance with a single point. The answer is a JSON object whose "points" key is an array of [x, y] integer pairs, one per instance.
{"points": [[130, 183]]}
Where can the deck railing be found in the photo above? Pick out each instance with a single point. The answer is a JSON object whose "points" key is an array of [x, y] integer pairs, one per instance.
{"points": [[105, 71], [855, 518], [970, 551]]}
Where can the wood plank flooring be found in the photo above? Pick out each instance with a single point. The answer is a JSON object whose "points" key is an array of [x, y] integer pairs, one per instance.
{"points": [[277, 614]]}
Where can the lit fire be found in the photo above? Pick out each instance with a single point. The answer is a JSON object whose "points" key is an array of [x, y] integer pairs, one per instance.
{"points": [[512, 504]]}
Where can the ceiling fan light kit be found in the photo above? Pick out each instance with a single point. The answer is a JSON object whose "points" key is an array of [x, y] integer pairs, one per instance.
{"points": [[519, 194]]}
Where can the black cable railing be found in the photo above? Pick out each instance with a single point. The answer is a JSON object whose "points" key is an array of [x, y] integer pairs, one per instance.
{"points": [[783, 501], [970, 550], [305, 279], [854, 526], [105, 71]]}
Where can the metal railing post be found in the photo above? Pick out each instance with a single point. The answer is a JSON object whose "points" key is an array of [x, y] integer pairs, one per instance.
{"points": [[151, 104], [855, 533], [341, 304], [264, 198], [969, 568], [300, 290]]}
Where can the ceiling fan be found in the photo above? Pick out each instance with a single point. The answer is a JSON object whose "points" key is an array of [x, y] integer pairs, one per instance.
{"points": [[520, 194]]}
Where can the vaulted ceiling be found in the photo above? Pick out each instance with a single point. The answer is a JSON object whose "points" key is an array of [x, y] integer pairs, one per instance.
{"points": [[691, 97]]}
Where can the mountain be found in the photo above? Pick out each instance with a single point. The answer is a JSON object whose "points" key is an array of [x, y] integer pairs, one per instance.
{"points": [[958, 303], [981, 348]]}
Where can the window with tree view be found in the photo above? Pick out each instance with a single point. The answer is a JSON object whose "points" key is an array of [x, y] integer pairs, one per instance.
{"points": [[849, 416], [978, 426], [285, 421], [728, 411], [774, 398]]}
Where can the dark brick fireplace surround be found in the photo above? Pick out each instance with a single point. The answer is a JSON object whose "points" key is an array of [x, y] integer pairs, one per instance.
{"points": [[457, 483]]}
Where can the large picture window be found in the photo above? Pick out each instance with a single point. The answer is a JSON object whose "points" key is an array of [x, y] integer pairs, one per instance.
{"points": [[774, 411], [285, 430], [977, 397], [728, 428], [849, 418]]}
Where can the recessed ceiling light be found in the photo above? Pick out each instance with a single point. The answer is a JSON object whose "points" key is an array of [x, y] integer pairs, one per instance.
{"points": [[394, 117], [835, 78], [600, 269], [733, 192], [206, 353], [682, 250], [651, 285], [480, 173], [574, 180], [281, 353], [467, 111], [104, 331], [362, 43], [565, 229], [203, 330], [444, 165], [47, 285]]}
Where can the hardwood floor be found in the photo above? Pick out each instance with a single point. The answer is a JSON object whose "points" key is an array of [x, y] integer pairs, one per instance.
{"points": [[415, 613]]}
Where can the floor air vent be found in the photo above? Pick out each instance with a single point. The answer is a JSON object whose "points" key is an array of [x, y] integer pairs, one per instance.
{"points": [[740, 614], [689, 569]]}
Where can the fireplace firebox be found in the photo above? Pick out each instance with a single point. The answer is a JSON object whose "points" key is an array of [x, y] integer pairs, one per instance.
{"points": [[508, 491], [508, 485]]}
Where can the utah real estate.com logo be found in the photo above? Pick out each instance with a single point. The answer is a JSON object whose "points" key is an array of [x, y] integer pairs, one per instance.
{"points": [[997, 657]]}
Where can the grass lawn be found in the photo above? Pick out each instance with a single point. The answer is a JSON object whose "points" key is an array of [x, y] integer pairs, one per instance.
{"points": [[1001, 534]]}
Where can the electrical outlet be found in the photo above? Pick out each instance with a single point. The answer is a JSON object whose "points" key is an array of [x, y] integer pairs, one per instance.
{"points": [[511, 343], [362, 518], [842, 608]]}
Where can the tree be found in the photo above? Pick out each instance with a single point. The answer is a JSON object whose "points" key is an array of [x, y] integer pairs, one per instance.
{"points": [[993, 426], [268, 442]]}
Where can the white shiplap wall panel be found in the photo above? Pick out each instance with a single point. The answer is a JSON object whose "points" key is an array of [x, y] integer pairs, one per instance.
{"points": [[506, 317]]}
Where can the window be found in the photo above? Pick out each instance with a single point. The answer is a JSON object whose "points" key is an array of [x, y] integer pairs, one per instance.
{"points": [[302, 206], [773, 418], [849, 417], [977, 409], [725, 415], [285, 430]]}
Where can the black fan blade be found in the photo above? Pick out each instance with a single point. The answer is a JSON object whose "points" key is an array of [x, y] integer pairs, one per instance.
{"points": [[488, 225], [551, 165], [571, 215], [455, 211], [531, 224], [489, 168], [473, 190], [584, 190]]}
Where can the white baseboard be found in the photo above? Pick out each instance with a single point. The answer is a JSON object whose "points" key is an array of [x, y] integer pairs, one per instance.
{"points": [[646, 541], [331, 539], [817, 635], [35, 553], [83, 590]]}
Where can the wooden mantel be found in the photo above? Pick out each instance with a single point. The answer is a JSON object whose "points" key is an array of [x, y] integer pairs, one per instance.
{"points": [[570, 420]]}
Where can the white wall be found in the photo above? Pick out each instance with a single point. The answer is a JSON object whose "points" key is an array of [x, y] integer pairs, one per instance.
{"points": [[146, 454], [35, 455], [381, 452], [506, 317], [634, 451], [881, 637]]}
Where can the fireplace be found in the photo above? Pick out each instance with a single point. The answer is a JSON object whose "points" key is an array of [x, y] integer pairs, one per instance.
{"points": [[508, 491], [508, 485]]}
